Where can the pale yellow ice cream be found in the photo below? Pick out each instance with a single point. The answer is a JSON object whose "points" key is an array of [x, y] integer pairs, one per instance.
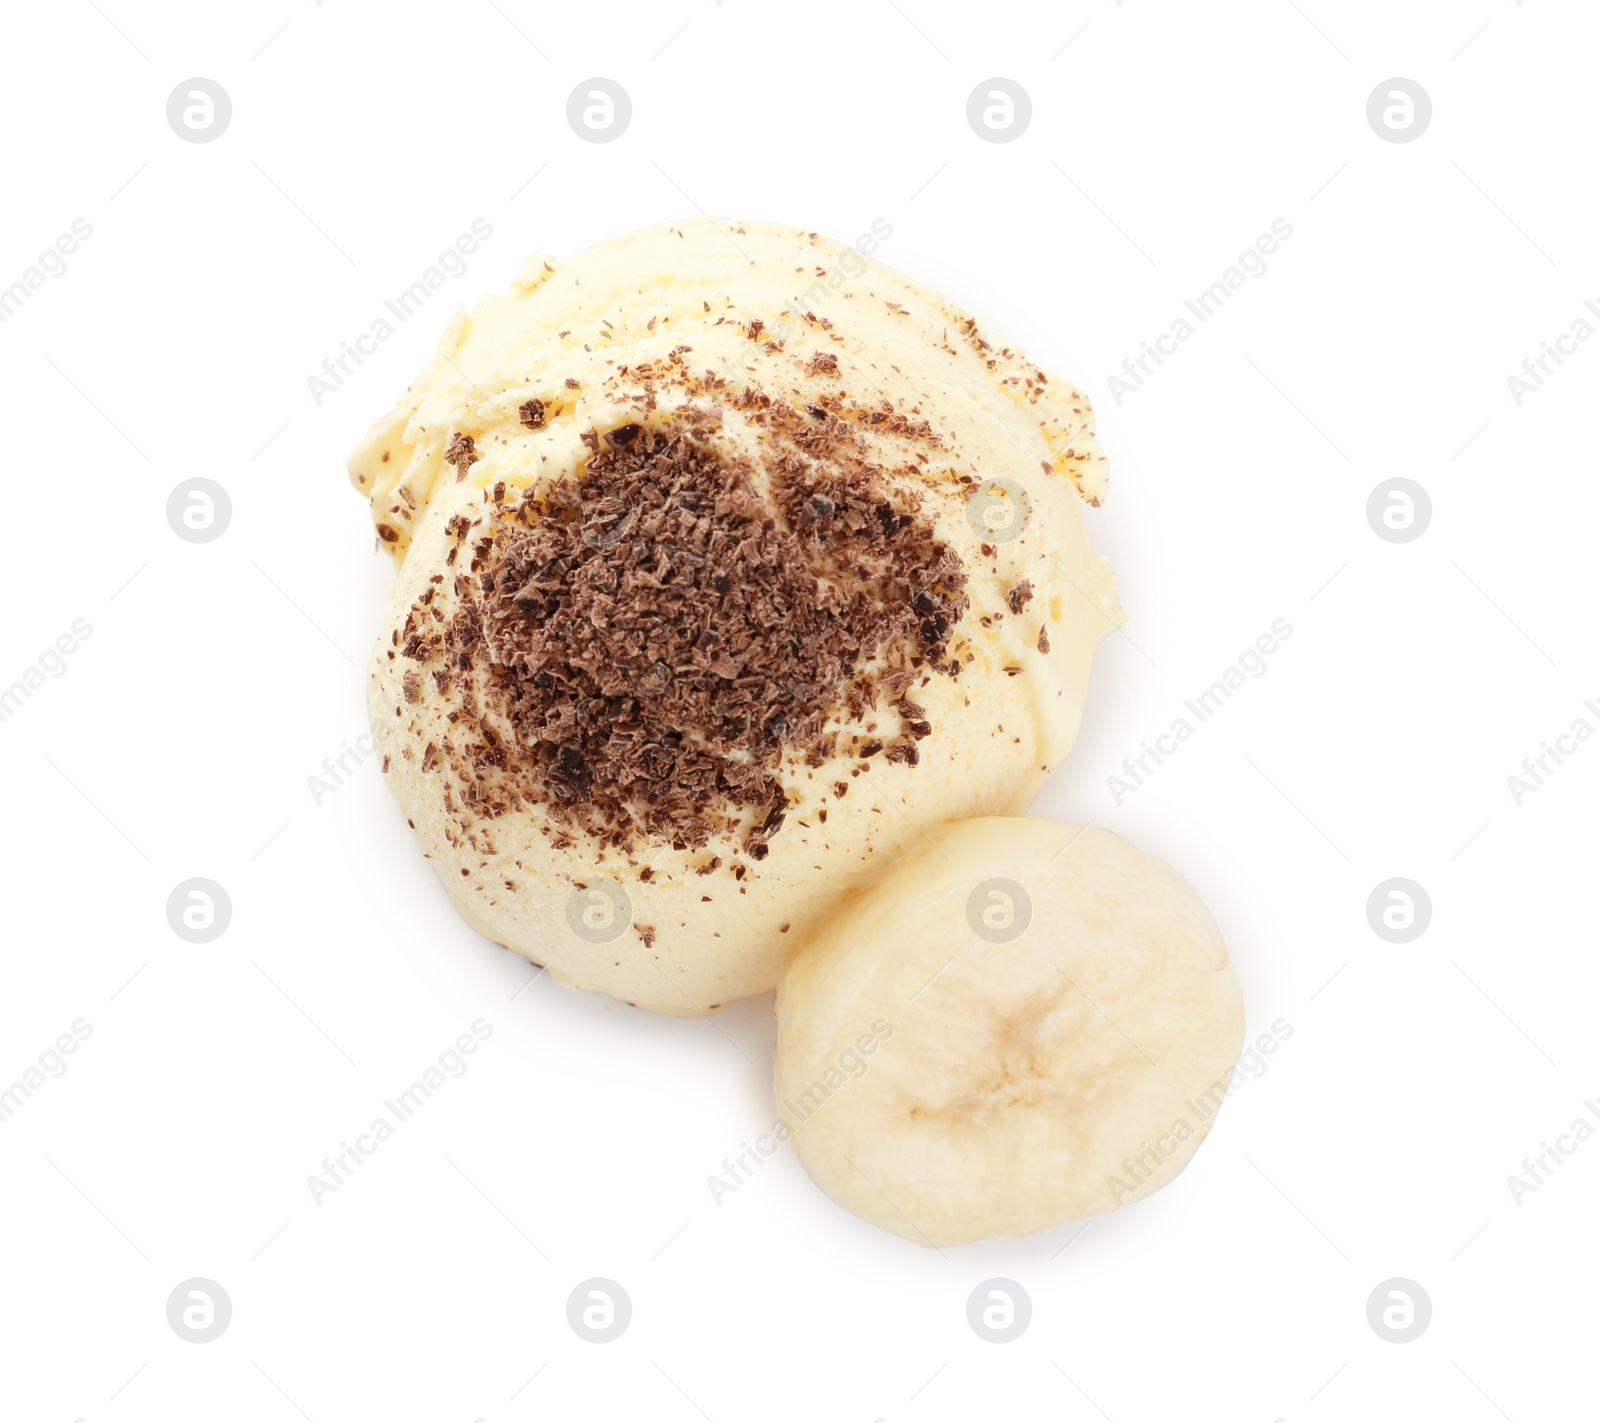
{"points": [[731, 339]]}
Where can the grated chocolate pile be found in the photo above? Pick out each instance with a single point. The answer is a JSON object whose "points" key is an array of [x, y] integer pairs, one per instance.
{"points": [[668, 626]]}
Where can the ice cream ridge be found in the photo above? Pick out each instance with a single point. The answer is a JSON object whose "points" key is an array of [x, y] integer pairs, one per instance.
{"points": [[729, 564]]}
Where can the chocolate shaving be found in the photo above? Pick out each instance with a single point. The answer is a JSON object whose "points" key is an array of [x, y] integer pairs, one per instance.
{"points": [[461, 453], [666, 629]]}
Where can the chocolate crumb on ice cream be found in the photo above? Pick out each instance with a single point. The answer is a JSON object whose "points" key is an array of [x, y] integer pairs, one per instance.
{"points": [[666, 628]]}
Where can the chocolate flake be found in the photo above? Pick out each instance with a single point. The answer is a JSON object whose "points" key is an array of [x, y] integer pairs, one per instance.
{"points": [[665, 630], [462, 454]]}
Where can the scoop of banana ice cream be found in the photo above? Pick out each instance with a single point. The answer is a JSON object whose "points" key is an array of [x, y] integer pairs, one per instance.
{"points": [[1021, 1023], [729, 562]]}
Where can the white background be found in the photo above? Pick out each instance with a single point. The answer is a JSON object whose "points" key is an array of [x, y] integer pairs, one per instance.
{"points": [[1165, 138]]}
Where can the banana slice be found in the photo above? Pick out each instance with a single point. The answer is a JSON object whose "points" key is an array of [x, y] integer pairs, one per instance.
{"points": [[1021, 1023]]}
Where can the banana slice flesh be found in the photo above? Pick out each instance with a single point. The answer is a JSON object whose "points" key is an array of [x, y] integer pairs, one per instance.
{"points": [[1022, 1023]]}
